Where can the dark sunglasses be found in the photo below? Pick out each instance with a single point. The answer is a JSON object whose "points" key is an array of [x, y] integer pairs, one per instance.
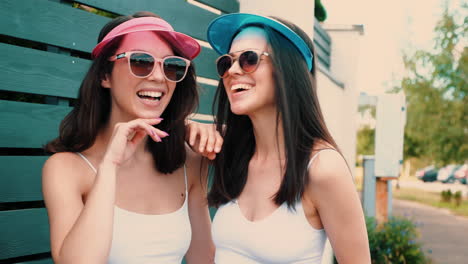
{"points": [[141, 65], [248, 62]]}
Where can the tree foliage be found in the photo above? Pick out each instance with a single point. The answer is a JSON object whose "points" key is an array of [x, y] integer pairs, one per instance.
{"points": [[365, 141], [436, 90], [319, 11]]}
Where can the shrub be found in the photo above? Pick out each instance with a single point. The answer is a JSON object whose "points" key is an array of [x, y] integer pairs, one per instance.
{"points": [[394, 242], [446, 196], [458, 198]]}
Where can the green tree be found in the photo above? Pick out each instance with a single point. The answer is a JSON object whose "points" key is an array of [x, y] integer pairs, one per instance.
{"points": [[436, 90], [320, 12], [365, 141]]}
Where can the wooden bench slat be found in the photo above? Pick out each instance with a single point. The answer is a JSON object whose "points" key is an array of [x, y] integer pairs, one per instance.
{"points": [[184, 17], [42, 261], [50, 22], [226, 6], [27, 125], [21, 178], [40, 72], [24, 232]]}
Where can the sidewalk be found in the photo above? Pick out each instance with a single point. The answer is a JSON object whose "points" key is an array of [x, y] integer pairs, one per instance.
{"points": [[443, 235]]}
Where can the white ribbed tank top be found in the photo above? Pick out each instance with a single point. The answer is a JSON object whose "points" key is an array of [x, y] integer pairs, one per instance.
{"points": [[285, 236], [143, 239]]}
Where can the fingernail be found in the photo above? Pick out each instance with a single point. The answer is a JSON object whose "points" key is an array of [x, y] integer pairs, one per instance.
{"points": [[159, 118], [158, 139], [165, 133]]}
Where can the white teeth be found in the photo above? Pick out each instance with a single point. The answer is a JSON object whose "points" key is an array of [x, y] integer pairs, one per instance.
{"points": [[241, 86], [150, 94]]}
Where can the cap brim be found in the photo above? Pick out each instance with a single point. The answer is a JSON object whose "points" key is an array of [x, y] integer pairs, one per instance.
{"points": [[185, 44], [223, 29]]}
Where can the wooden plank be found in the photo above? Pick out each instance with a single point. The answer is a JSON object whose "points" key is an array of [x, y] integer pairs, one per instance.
{"points": [[40, 72], [50, 22], [207, 93], [26, 125], [205, 63], [42, 261], [184, 17], [226, 6], [21, 178], [18, 118], [24, 232]]}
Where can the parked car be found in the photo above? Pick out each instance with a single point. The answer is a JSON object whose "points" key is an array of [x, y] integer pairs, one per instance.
{"points": [[427, 174], [461, 174], [446, 174]]}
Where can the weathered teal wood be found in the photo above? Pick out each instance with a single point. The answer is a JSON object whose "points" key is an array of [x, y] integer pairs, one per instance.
{"points": [[40, 72], [184, 17], [24, 232], [20, 179], [207, 93], [226, 6], [205, 63], [42, 261], [27, 125], [50, 22]]}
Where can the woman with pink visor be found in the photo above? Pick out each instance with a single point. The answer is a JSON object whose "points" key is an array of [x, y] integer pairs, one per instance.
{"points": [[123, 186]]}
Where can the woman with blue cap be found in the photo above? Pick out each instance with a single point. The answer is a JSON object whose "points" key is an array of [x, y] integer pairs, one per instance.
{"points": [[122, 186], [281, 185]]}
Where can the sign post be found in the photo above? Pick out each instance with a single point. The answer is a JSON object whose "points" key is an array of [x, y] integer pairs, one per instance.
{"points": [[389, 134]]}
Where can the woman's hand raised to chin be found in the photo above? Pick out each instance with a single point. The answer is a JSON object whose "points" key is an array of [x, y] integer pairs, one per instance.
{"points": [[203, 138], [127, 136]]}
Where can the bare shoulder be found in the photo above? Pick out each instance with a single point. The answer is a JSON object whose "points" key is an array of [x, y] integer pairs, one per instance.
{"points": [[328, 166], [66, 168]]}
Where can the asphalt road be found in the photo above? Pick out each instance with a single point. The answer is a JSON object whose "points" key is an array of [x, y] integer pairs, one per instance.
{"points": [[444, 236]]}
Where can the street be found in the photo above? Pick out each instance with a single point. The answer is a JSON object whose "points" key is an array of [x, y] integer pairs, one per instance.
{"points": [[444, 235]]}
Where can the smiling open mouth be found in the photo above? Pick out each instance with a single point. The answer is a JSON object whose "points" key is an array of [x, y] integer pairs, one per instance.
{"points": [[150, 95], [241, 87]]}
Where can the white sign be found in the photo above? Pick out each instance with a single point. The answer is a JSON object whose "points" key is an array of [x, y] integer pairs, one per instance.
{"points": [[389, 134]]}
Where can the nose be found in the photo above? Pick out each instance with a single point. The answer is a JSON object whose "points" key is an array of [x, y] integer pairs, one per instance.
{"points": [[235, 68], [157, 74]]}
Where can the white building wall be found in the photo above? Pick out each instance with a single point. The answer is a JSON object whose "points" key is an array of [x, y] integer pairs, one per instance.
{"points": [[300, 12]]}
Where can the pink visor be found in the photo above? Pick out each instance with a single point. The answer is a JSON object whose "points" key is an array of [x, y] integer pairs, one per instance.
{"points": [[185, 44]]}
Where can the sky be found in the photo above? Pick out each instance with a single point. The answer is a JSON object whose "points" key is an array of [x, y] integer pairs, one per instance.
{"points": [[390, 27]]}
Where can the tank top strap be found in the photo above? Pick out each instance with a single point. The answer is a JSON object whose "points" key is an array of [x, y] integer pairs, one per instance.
{"points": [[315, 156], [185, 178], [87, 161]]}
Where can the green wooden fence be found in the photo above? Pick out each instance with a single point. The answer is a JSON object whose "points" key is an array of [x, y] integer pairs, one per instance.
{"points": [[45, 47]]}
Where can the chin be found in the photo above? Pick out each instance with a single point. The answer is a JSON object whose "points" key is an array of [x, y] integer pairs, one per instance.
{"points": [[239, 110]]}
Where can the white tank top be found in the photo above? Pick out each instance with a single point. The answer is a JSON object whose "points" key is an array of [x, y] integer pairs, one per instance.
{"points": [[285, 236], [143, 239]]}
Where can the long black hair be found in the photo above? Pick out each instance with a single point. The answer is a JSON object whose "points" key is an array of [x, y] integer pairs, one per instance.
{"points": [[91, 113], [302, 122]]}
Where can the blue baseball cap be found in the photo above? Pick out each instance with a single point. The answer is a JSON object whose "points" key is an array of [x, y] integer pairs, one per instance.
{"points": [[222, 30]]}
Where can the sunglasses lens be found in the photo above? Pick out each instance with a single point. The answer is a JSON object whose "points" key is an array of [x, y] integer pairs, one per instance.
{"points": [[175, 68], [223, 65], [141, 64], [248, 61]]}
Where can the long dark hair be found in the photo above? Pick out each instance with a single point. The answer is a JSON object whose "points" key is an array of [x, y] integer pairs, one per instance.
{"points": [[79, 128], [302, 122]]}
